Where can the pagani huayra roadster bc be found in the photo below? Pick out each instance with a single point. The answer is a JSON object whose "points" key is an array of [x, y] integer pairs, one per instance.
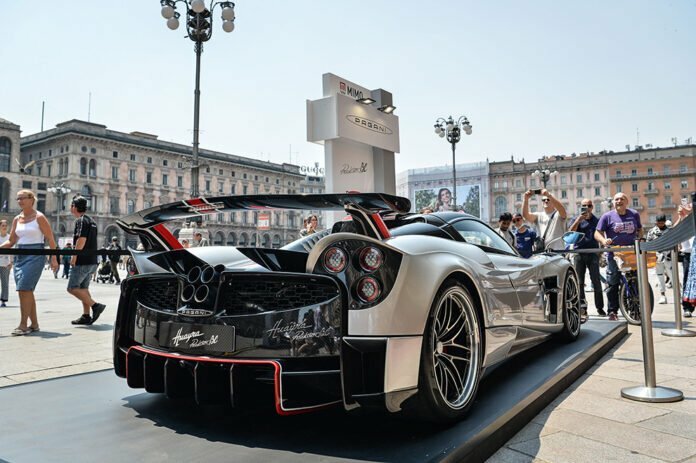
{"points": [[398, 311]]}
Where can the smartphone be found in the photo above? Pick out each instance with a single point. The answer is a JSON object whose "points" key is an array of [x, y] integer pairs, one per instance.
{"points": [[537, 192], [684, 201], [583, 209]]}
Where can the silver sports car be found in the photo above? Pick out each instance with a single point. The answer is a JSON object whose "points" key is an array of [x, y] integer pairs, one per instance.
{"points": [[388, 309]]}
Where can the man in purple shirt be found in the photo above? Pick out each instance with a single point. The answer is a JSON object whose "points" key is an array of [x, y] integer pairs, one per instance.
{"points": [[619, 227]]}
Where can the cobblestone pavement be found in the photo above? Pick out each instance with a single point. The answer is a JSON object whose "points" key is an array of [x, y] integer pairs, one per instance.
{"points": [[589, 422]]}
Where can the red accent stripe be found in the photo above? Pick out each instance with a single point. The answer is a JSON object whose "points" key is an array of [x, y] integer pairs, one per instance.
{"points": [[381, 226], [276, 374], [195, 202], [167, 236]]}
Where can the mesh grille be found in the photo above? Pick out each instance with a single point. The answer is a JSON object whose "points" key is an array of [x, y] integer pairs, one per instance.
{"points": [[243, 297], [158, 295]]}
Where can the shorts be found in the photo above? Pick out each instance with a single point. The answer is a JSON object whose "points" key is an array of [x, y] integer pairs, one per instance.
{"points": [[80, 276]]}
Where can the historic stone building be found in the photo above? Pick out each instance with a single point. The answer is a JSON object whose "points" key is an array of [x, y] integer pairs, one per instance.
{"points": [[578, 176], [121, 173], [655, 180]]}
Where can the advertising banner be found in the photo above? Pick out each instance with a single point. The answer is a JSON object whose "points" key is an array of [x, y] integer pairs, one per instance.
{"points": [[263, 222], [440, 199]]}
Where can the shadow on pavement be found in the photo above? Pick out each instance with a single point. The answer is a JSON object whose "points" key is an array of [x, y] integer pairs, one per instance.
{"points": [[100, 327]]}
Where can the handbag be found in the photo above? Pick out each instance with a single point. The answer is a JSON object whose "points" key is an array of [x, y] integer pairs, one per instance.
{"points": [[540, 242]]}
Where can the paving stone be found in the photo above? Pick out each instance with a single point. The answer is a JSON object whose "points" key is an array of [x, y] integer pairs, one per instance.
{"points": [[666, 446], [4, 381], [60, 372], [686, 385], [532, 431], [678, 424], [563, 447], [506, 455], [618, 409], [605, 386]]}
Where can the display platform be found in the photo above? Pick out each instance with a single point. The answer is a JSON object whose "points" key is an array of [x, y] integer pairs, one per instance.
{"points": [[97, 417]]}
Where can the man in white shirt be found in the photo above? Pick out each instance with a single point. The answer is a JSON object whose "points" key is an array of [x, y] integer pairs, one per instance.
{"points": [[551, 221]]}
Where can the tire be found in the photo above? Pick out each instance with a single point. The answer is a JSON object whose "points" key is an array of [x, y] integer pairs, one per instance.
{"points": [[630, 304], [451, 356], [571, 308]]}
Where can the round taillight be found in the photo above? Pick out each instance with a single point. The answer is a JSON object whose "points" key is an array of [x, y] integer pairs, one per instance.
{"points": [[335, 260], [368, 289], [371, 258]]}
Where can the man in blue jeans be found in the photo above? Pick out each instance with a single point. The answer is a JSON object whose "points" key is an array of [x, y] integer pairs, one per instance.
{"points": [[618, 227], [586, 223], [85, 238]]}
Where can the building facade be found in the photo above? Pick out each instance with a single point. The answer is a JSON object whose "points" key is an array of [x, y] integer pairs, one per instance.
{"points": [[577, 177], [655, 180], [120, 173]]}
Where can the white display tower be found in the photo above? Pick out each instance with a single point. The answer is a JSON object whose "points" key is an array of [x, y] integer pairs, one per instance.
{"points": [[360, 136]]}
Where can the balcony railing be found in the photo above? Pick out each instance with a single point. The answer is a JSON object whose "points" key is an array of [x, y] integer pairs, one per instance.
{"points": [[638, 207], [653, 191], [668, 206]]}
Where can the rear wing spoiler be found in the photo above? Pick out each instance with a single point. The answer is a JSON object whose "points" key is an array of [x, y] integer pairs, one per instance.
{"points": [[363, 207]]}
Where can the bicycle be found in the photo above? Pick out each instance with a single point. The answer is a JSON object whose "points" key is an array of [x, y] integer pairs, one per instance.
{"points": [[629, 292]]}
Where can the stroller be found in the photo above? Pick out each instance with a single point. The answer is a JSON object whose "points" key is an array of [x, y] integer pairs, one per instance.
{"points": [[104, 271]]}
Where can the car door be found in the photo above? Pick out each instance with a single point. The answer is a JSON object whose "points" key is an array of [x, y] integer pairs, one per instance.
{"points": [[514, 285]]}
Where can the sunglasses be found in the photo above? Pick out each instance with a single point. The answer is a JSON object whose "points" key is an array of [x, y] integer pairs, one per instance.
{"points": [[544, 200], [519, 219], [20, 198]]}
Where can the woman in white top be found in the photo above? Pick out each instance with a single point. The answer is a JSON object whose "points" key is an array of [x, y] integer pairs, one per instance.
{"points": [[29, 229], [5, 265]]}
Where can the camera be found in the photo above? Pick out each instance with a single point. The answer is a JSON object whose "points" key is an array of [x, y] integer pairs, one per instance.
{"points": [[583, 209], [537, 191]]}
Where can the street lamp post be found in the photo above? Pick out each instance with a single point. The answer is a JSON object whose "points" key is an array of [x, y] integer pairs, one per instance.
{"points": [[60, 189], [544, 174], [453, 131], [199, 25]]}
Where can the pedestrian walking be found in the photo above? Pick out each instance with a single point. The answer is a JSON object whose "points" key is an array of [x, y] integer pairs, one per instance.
{"points": [[84, 238], [550, 222], [663, 267], [620, 226], [686, 251], [586, 223], [199, 241], [5, 265], [29, 230], [113, 259], [66, 261]]}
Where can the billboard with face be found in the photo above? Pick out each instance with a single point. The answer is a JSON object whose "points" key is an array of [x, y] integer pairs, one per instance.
{"points": [[440, 199]]}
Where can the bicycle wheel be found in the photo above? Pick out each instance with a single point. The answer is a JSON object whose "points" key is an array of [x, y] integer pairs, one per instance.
{"points": [[629, 301]]}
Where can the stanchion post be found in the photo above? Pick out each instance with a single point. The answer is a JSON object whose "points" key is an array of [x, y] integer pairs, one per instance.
{"points": [[677, 331], [650, 392]]}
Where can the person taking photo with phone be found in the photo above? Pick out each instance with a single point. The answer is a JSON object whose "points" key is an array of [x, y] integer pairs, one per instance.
{"points": [[586, 223], [550, 222]]}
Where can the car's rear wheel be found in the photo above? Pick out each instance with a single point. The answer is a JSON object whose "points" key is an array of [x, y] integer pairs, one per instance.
{"points": [[451, 356], [572, 317]]}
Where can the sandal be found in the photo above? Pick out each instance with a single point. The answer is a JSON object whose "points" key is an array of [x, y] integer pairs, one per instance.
{"points": [[34, 329], [20, 332]]}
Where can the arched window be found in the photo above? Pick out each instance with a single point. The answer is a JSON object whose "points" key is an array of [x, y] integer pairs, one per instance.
{"points": [[92, 168], [5, 154], [147, 204], [266, 241], [500, 206], [60, 168], [219, 239], [276, 241], [83, 166], [130, 206], [253, 241], [243, 238], [231, 239], [86, 191]]}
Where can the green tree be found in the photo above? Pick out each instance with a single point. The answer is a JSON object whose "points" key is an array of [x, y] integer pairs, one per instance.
{"points": [[472, 204]]}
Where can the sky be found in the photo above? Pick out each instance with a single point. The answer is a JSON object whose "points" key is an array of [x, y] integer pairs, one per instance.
{"points": [[535, 78]]}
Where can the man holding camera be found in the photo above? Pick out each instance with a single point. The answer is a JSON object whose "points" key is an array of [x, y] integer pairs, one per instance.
{"points": [[618, 227], [663, 267], [586, 223], [550, 222]]}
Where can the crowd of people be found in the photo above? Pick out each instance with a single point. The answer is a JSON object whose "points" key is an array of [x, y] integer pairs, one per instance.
{"points": [[530, 232]]}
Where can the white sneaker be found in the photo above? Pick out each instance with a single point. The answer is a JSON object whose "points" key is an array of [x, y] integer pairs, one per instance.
{"points": [[663, 300]]}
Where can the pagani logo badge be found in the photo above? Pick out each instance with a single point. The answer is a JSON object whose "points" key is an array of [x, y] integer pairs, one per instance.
{"points": [[189, 312], [369, 124], [348, 169], [202, 208]]}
